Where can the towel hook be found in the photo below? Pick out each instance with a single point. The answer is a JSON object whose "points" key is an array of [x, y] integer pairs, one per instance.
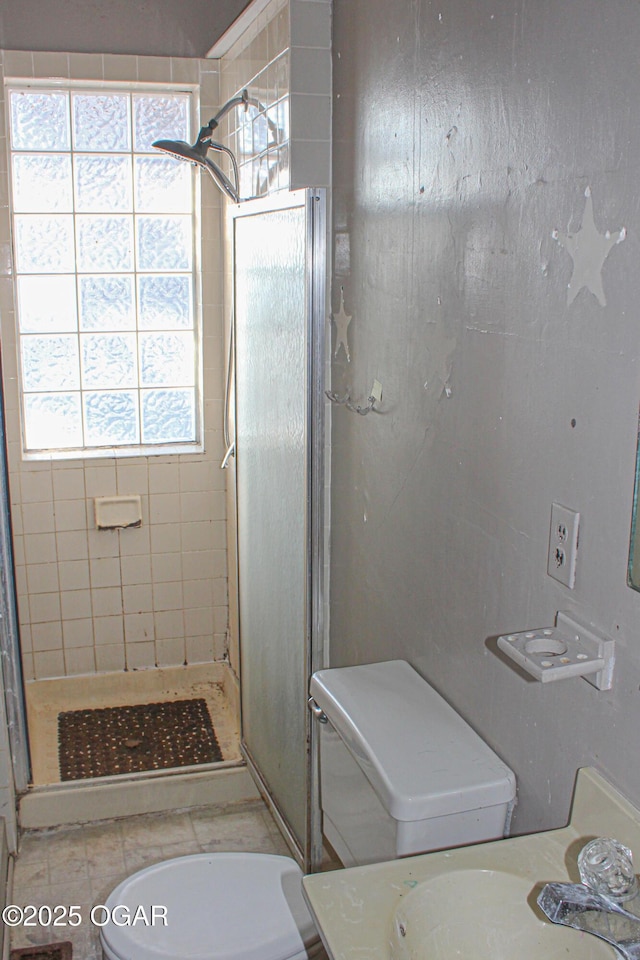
{"points": [[375, 396]]}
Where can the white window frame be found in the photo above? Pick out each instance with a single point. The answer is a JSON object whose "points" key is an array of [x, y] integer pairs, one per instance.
{"points": [[134, 450]]}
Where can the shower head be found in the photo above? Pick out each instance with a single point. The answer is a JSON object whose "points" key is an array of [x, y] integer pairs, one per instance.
{"points": [[194, 153], [197, 152]]}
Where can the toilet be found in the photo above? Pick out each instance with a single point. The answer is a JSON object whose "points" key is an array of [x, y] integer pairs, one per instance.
{"points": [[401, 773], [227, 906]]}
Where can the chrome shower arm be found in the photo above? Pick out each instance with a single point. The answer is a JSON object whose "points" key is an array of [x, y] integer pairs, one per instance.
{"points": [[197, 152], [242, 100]]}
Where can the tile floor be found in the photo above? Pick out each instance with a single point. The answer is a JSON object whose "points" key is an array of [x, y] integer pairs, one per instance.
{"points": [[81, 864]]}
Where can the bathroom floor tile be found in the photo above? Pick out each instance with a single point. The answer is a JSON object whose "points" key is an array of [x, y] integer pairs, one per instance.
{"points": [[242, 827], [81, 865], [158, 829]]}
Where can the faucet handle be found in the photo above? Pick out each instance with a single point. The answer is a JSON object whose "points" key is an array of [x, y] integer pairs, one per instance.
{"points": [[606, 866]]}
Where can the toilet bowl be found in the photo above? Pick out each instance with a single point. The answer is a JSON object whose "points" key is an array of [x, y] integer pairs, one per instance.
{"points": [[219, 906], [401, 773]]}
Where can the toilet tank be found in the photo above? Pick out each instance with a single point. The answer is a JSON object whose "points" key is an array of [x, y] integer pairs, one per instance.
{"points": [[400, 771]]}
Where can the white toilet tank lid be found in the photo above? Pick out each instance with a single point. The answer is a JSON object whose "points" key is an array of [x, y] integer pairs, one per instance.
{"points": [[220, 906], [422, 759]]}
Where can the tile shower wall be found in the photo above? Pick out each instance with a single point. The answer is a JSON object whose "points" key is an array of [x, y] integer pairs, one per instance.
{"points": [[283, 58], [94, 601]]}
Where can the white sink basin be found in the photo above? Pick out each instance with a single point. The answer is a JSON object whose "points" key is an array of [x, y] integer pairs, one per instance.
{"points": [[483, 915]]}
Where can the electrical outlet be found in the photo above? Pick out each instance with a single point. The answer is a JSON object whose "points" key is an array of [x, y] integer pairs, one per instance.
{"points": [[563, 545]]}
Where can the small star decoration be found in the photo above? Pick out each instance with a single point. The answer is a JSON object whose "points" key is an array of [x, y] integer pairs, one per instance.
{"points": [[588, 249], [342, 321]]}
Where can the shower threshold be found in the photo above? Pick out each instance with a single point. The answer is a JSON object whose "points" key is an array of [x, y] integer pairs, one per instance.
{"points": [[127, 795], [145, 791]]}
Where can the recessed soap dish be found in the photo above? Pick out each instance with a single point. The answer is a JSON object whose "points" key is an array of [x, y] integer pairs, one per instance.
{"points": [[567, 650]]}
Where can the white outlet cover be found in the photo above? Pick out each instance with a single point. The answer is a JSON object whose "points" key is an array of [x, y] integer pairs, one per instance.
{"points": [[563, 545]]}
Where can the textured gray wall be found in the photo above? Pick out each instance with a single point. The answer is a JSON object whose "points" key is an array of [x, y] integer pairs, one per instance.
{"points": [[176, 28], [466, 133]]}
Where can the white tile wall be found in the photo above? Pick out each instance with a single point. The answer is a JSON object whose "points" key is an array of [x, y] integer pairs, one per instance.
{"points": [[284, 60], [94, 601]]}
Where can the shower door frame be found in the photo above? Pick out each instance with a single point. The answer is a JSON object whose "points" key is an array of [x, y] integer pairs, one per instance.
{"points": [[309, 855], [10, 652]]}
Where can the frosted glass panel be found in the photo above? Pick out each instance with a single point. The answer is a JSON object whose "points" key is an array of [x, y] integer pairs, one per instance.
{"points": [[103, 184], [111, 417], [106, 303], [164, 243], [162, 185], [52, 420], [50, 363], [167, 415], [42, 184], [104, 243], [101, 122], [272, 497], [39, 121], [165, 301], [166, 359], [47, 304], [109, 360], [44, 244], [159, 118]]}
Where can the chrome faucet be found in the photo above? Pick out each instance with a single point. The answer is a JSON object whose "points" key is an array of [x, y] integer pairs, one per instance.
{"points": [[606, 903]]}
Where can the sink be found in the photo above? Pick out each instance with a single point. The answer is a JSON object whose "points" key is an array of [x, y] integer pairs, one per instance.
{"points": [[476, 902], [484, 915]]}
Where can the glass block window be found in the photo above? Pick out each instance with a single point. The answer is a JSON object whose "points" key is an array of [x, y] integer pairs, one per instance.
{"points": [[104, 229]]}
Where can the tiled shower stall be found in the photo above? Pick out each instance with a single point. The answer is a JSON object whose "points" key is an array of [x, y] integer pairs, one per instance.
{"points": [[98, 604]]}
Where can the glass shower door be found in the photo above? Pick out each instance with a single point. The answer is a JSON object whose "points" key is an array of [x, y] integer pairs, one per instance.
{"points": [[274, 466]]}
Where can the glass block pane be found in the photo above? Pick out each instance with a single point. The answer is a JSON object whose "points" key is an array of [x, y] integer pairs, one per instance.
{"points": [[164, 243], [44, 244], [157, 117], [101, 122], [109, 360], [47, 304], [166, 359], [106, 303], [39, 120], [102, 184], [111, 418], [165, 302], [91, 325], [52, 421], [50, 363], [163, 185], [105, 243], [168, 416], [42, 184]]}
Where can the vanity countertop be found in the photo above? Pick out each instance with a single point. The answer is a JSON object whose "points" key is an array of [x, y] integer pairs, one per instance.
{"points": [[353, 908]]}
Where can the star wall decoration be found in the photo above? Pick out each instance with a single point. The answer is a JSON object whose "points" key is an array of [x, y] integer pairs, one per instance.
{"points": [[588, 249], [342, 321]]}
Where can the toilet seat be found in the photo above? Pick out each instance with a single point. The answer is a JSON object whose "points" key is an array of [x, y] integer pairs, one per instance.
{"points": [[220, 906]]}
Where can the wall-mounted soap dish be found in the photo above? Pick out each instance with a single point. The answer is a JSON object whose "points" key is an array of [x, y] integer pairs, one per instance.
{"points": [[570, 649], [112, 513]]}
